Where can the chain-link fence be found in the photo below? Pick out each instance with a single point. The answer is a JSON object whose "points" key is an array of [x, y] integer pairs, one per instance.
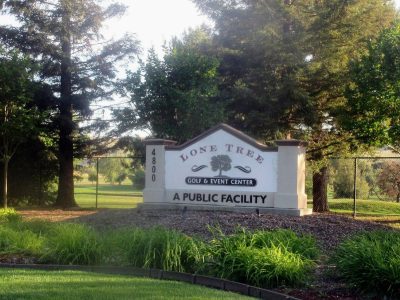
{"points": [[365, 186], [360, 186], [109, 182]]}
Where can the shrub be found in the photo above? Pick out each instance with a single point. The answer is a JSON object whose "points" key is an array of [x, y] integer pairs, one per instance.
{"points": [[266, 259], [72, 244], [26, 174], [9, 215], [371, 262], [152, 248]]}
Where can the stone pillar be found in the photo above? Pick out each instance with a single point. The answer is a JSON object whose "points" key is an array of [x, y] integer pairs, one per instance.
{"points": [[154, 191], [291, 176]]}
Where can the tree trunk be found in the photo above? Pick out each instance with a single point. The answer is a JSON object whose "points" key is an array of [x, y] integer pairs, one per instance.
{"points": [[65, 196], [5, 184], [320, 190]]}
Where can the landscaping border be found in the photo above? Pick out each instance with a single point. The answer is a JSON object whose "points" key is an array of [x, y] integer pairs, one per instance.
{"points": [[211, 282]]}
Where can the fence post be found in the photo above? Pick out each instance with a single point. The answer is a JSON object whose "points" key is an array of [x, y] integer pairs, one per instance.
{"points": [[40, 185], [97, 180], [355, 188]]}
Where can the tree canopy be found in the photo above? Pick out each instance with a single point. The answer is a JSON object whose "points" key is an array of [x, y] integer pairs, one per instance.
{"points": [[372, 109], [174, 97], [285, 69]]}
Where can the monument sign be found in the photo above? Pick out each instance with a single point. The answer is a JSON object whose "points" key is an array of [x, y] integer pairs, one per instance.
{"points": [[227, 170]]}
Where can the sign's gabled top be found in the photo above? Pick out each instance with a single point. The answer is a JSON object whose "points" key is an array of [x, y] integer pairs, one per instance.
{"points": [[229, 130]]}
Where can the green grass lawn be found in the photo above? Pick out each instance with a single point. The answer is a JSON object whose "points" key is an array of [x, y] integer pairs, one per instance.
{"points": [[124, 189], [365, 207], [384, 212], [109, 196], [32, 284]]}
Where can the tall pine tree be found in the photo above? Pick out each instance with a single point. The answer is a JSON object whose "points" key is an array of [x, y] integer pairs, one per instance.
{"points": [[64, 37]]}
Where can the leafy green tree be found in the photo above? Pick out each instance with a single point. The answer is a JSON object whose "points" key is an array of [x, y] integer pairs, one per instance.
{"points": [[19, 118], [64, 36], [92, 176], [284, 65], [259, 59], [121, 177], [372, 111], [221, 163], [174, 97], [134, 148], [389, 179], [342, 178], [113, 169]]}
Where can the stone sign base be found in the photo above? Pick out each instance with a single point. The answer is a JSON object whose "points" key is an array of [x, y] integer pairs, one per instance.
{"points": [[243, 209]]}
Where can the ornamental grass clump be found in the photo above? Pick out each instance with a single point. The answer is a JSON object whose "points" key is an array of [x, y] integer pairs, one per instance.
{"points": [[37, 226], [72, 244], [9, 215], [370, 262], [303, 245], [16, 239], [266, 259], [21, 242], [153, 248]]}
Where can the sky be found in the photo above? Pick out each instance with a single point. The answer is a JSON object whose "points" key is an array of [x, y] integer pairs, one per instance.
{"points": [[156, 21]]}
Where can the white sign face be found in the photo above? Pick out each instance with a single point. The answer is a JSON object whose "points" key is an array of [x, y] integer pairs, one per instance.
{"points": [[221, 162]]}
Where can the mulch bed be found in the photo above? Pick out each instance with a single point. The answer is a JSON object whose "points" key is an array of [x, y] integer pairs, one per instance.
{"points": [[328, 229]]}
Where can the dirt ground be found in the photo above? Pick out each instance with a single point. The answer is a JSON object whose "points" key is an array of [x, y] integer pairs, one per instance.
{"points": [[328, 229], [56, 215]]}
